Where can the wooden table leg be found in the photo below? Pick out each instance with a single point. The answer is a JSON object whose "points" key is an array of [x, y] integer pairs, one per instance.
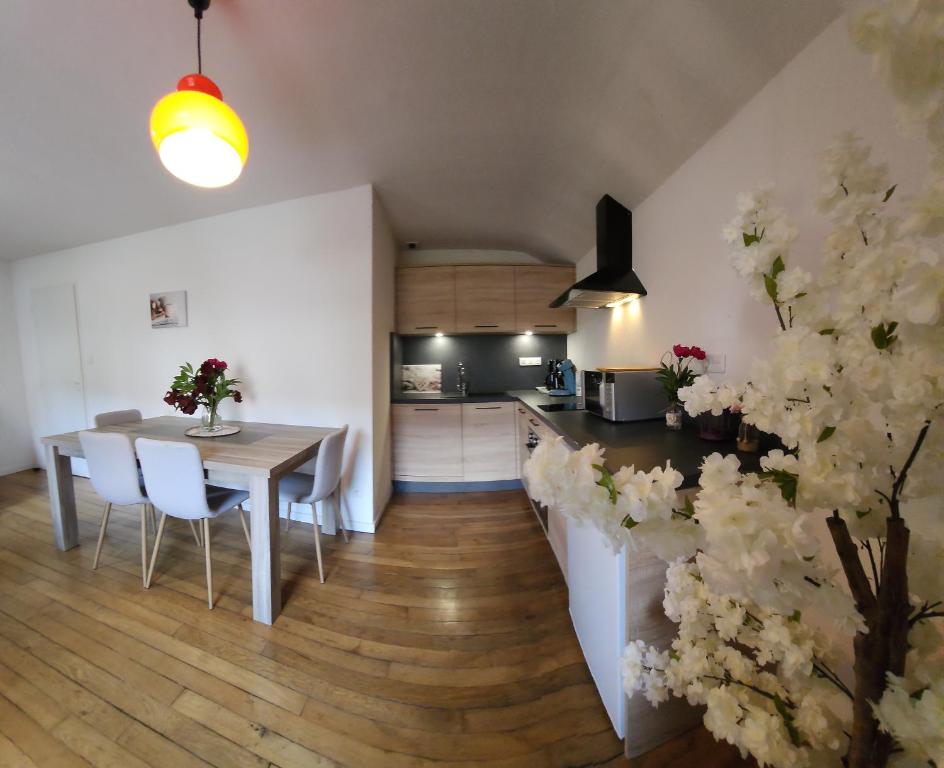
{"points": [[266, 564], [65, 524]]}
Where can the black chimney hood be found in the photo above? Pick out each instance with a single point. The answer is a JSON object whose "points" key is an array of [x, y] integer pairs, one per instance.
{"points": [[614, 281]]}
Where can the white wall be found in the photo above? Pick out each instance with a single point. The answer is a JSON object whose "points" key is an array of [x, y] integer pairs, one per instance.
{"points": [[694, 296], [281, 292], [383, 263], [16, 451]]}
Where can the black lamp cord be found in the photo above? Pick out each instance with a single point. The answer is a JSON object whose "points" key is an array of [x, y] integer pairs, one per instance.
{"points": [[199, 16]]}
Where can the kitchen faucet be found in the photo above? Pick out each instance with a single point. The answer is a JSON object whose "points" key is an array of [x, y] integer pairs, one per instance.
{"points": [[462, 386]]}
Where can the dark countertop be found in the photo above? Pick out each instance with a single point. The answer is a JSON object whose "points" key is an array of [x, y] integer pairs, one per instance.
{"points": [[642, 444]]}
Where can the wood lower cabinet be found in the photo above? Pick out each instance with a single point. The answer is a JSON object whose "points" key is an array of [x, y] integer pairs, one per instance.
{"points": [[488, 441], [427, 442], [485, 300], [426, 300], [535, 288]]}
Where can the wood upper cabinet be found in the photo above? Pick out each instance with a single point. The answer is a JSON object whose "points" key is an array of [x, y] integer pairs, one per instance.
{"points": [[426, 300], [488, 441], [535, 288], [485, 300], [427, 442]]}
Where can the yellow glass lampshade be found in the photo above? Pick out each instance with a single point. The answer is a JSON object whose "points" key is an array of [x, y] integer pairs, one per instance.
{"points": [[198, 137]]}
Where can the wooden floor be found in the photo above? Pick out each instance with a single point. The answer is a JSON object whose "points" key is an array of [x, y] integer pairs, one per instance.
{"points": [[443, 639]]}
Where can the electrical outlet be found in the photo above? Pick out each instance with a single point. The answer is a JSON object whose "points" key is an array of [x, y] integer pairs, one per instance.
{"points": [[716, 362], [525, 361]]}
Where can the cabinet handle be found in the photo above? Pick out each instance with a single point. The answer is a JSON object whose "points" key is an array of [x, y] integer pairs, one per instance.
{"points": [[425, 409], [545, 325], [495, 325], [488, 407], [534, 422], [425, 327]]}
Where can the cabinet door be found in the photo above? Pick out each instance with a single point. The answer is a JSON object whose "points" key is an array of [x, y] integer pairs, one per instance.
{"points": [[535, 288], [488, 441], [427, 442], [426, 300], [521, 436], [485, 299]]}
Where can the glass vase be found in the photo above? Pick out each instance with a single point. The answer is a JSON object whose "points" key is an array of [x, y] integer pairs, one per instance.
{"points": [[211, 420], [717, 428], [673, 416]]}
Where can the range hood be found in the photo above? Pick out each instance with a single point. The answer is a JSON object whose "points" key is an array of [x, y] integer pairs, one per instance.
{"points": [[614, 281]]}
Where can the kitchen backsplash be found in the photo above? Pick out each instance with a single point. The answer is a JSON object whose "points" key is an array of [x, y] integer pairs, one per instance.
{"points": [[491, 362]]}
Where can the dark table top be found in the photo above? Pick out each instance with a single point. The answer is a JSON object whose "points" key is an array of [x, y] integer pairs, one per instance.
{"points": [[642, 444]]}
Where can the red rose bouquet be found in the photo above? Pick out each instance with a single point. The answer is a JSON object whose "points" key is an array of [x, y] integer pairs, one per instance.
{"points": [[677, 371], [206, 386]]}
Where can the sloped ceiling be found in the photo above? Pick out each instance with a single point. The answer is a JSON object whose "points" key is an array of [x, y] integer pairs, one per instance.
{"points": [[482, 123]]}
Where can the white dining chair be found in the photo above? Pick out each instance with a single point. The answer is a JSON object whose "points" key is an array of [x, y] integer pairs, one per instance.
{"points": [[301, 488], [173, 476], [113, 472], [130, 415]]}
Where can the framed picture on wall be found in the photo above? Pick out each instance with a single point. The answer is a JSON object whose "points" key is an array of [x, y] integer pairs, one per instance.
{"points": [[169, 309]]}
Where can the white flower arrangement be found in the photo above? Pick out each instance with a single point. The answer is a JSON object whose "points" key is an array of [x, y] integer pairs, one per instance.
{"points": [[854, 388]]}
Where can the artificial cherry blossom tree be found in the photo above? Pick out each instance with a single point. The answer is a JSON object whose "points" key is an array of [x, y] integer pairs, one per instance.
{"points": [[854, 388]]}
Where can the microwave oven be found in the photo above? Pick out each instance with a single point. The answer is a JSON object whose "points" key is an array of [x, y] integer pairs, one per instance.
{"points": [[624, 394]]}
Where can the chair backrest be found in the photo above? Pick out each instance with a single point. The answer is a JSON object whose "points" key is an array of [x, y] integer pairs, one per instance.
{"points": [[328, 465], [173, 476], [112, 467], [111, 418]]}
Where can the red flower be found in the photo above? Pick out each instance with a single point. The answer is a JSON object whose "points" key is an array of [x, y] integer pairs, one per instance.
{"points": [[698, 353], [679, 351], [171, 398], [238, 396], [187, 405]]}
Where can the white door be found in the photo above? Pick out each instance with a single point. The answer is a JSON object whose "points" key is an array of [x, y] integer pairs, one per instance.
{"points": [[59, 363]]}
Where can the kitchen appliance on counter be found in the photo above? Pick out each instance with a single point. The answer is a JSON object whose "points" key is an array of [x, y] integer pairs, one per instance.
{"points": [[624, 394], [561, 379]]}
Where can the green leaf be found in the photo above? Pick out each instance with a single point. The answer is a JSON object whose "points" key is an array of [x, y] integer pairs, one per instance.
{"points": [[827, 332], [606, 481], [883, 335], [795, 616], [889, 193], [785, 481], [628, 523], [860, 513], [749, 239], [778, 267], [770, 283], [825, 434], [688, 506], [787, 718]]}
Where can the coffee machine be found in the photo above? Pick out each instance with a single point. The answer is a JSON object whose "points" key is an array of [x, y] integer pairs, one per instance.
{"points": [[554, 378], [561, 378]]}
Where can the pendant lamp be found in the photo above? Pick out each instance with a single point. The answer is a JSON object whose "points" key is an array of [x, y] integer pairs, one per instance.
{"points": [[198, 138]]}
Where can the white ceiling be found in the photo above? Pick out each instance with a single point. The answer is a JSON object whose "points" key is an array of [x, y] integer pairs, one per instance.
{"points": [[482, 123]]}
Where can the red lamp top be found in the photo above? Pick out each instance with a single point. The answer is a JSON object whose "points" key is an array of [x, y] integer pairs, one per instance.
{"points": [[202, 83]]}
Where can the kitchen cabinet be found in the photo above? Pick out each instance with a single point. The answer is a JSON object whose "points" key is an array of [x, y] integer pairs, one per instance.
{"points": [[536, 287], [485, 299], [521, 435], [426, 300], [427, 442], [488, 442]]}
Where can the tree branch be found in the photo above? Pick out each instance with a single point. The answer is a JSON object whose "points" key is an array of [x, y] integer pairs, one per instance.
{"points": [[851, 565], [903, 475]]}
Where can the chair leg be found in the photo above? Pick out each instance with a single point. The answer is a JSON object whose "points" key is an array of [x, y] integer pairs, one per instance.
{"points": [[314, 515], [152, 517], [336, 500], [206, 544], [144, 563], [101, 534], [242, 519], [157, 547], [196, 535], [288, 516]]}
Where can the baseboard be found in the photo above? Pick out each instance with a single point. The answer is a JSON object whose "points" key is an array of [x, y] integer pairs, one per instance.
{"points": [[410, 486], [12, 469]]}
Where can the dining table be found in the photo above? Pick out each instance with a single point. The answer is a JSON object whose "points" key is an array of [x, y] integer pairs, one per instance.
{"points": [[259, 455]]}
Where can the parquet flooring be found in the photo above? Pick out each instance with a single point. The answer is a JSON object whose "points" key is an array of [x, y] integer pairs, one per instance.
{"points": [[444, 639]]}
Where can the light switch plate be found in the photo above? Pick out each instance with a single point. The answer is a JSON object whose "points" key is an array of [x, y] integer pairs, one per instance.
{"points": [[716, 362], [525, 361]]}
